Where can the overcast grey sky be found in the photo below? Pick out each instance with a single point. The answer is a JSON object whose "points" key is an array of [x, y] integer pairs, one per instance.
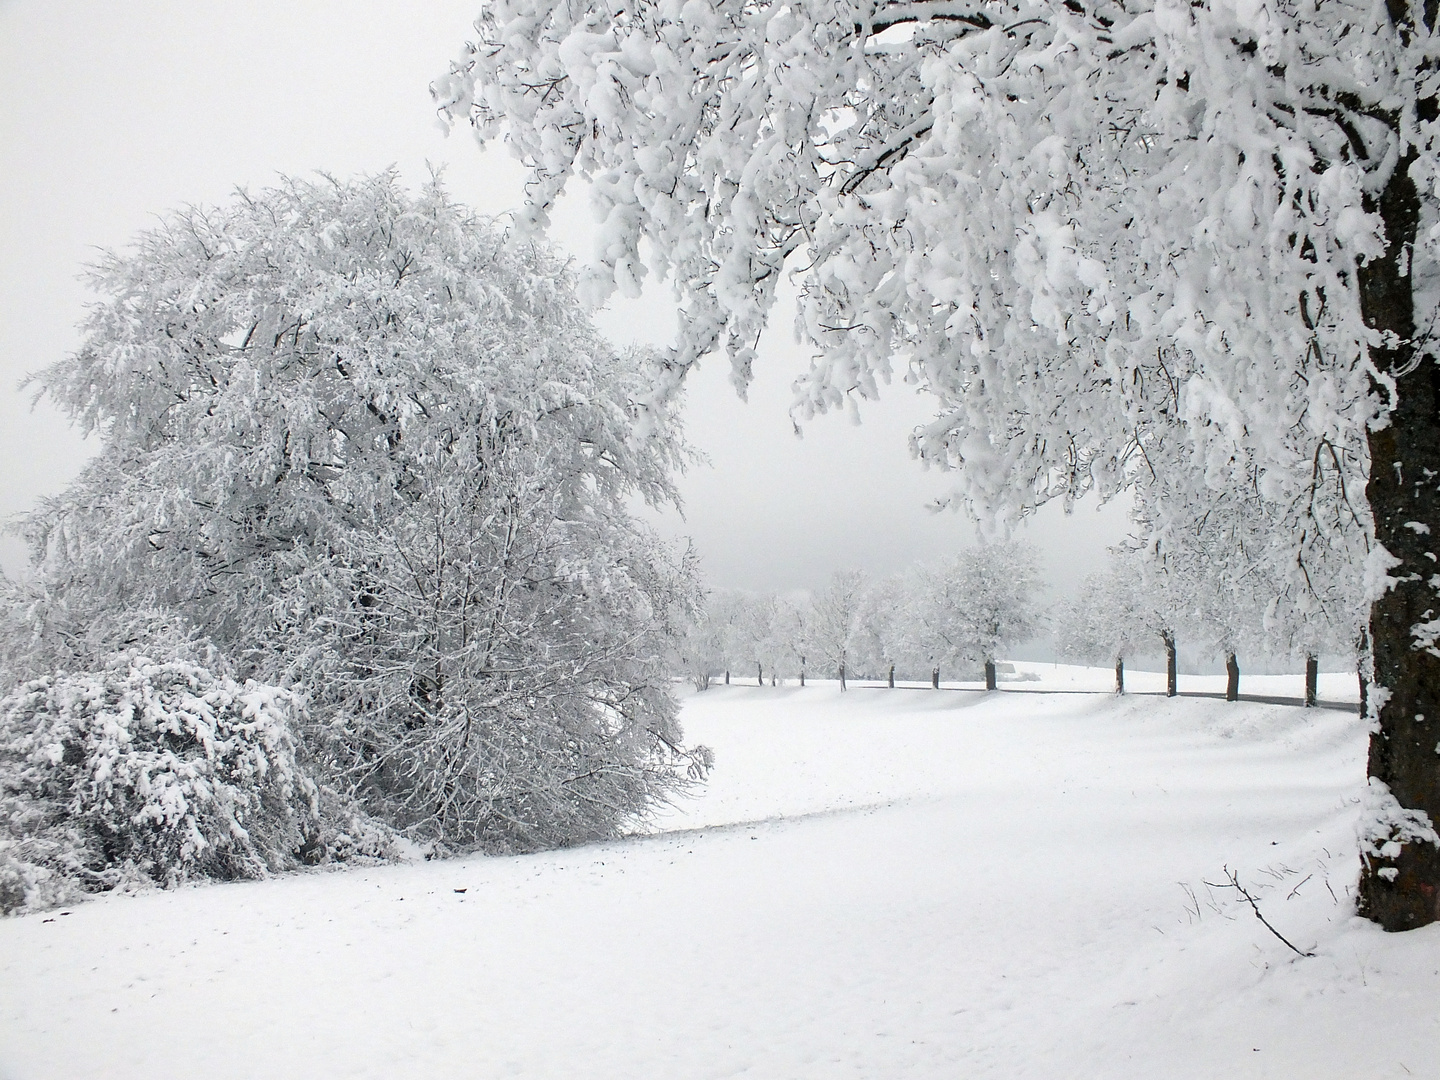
{"points": [[116, 112]]}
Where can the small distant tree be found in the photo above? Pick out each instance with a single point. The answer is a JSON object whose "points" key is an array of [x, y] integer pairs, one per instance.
{"points": [[835, 622], [754, 644], [1102, 623], [725, 613], [979, 602], [699, 651], [884, 641], [790, 631], [937, 635]]}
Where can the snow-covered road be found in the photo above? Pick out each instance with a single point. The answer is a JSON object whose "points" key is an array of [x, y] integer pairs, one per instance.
{"points": [[877, 884]]}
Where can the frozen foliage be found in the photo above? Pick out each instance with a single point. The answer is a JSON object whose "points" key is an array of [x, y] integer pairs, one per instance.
{"points": [[747, 636], [371, 447], [1112, 239], [146, 771], [1075, 224], [1224, 562]]}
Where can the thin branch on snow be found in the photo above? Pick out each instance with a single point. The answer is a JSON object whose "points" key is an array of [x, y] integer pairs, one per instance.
{"points": [[1234, 883]]}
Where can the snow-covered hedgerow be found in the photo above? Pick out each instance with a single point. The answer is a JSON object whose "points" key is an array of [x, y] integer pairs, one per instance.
{"points": [[146, 771]]}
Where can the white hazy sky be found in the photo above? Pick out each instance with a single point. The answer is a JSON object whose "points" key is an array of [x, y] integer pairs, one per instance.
{"points": [[113, 113]]}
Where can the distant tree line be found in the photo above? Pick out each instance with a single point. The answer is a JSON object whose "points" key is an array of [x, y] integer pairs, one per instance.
{"points": [[956, 617], [1210, 587], [937, 619]]}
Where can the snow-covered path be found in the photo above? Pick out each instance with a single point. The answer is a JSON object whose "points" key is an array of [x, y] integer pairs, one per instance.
{"points": [[880, 884]]}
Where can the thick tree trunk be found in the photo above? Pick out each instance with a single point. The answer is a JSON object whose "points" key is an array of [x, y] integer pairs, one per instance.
{"points": [[759, 674], [1232, 678], [727, 678], [989, 674], [1172, 679], [842, 676], [1403, 892], [1119, 675], [892, 676], [802, 671], [1312, 681], [935, 679]]}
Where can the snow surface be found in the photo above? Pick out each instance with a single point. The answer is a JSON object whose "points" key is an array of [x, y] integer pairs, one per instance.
{"points": [[877, 884]]}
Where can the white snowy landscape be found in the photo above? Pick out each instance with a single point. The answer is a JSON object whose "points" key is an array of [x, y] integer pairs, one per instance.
{"points": [[874, 884], [404, 655]]}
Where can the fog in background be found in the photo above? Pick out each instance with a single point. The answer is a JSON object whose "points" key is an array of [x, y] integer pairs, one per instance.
{"points": [[115, 113]]}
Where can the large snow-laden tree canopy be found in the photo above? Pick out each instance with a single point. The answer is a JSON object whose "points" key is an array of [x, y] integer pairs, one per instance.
{"points": [[1086, 227], [371, 447]]}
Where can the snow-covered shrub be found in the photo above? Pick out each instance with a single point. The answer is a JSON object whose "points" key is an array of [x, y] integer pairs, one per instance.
{"points": [[146, 770], [348, 834]]}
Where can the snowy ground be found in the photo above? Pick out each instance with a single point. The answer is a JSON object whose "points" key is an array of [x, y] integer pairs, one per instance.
{"points": [[877, 884]]}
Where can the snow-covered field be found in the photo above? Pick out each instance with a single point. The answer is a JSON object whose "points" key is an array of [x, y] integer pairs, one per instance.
{"points": [[877, 884]]}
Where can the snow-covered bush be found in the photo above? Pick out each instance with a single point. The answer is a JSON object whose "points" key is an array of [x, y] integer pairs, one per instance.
{"points": [[146, 770]]}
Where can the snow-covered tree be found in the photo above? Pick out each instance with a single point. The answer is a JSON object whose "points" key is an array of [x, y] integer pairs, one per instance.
{"points": [[700, 649], [834, 626], [977, 603], [883, 644], [935, 637], [753, 644], [790, 631], [371, 447], [1078, 224], [724, 617], [1097, 625]]}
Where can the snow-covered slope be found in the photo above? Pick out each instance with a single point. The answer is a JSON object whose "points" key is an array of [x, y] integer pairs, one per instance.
{"points": [[877, 884]]}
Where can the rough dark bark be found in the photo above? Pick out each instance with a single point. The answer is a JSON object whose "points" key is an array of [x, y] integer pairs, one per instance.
{"points": [[727, 678], [1232, 678], [1119, 675], [1172, 680], [892, 676], [802, 671], [1403, 892], [842, 676], [759, 674], [1312, 681], [935, 679], [989, 674]]}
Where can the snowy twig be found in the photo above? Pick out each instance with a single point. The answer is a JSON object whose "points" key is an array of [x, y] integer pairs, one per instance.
{"points": [[1234, 883]]}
